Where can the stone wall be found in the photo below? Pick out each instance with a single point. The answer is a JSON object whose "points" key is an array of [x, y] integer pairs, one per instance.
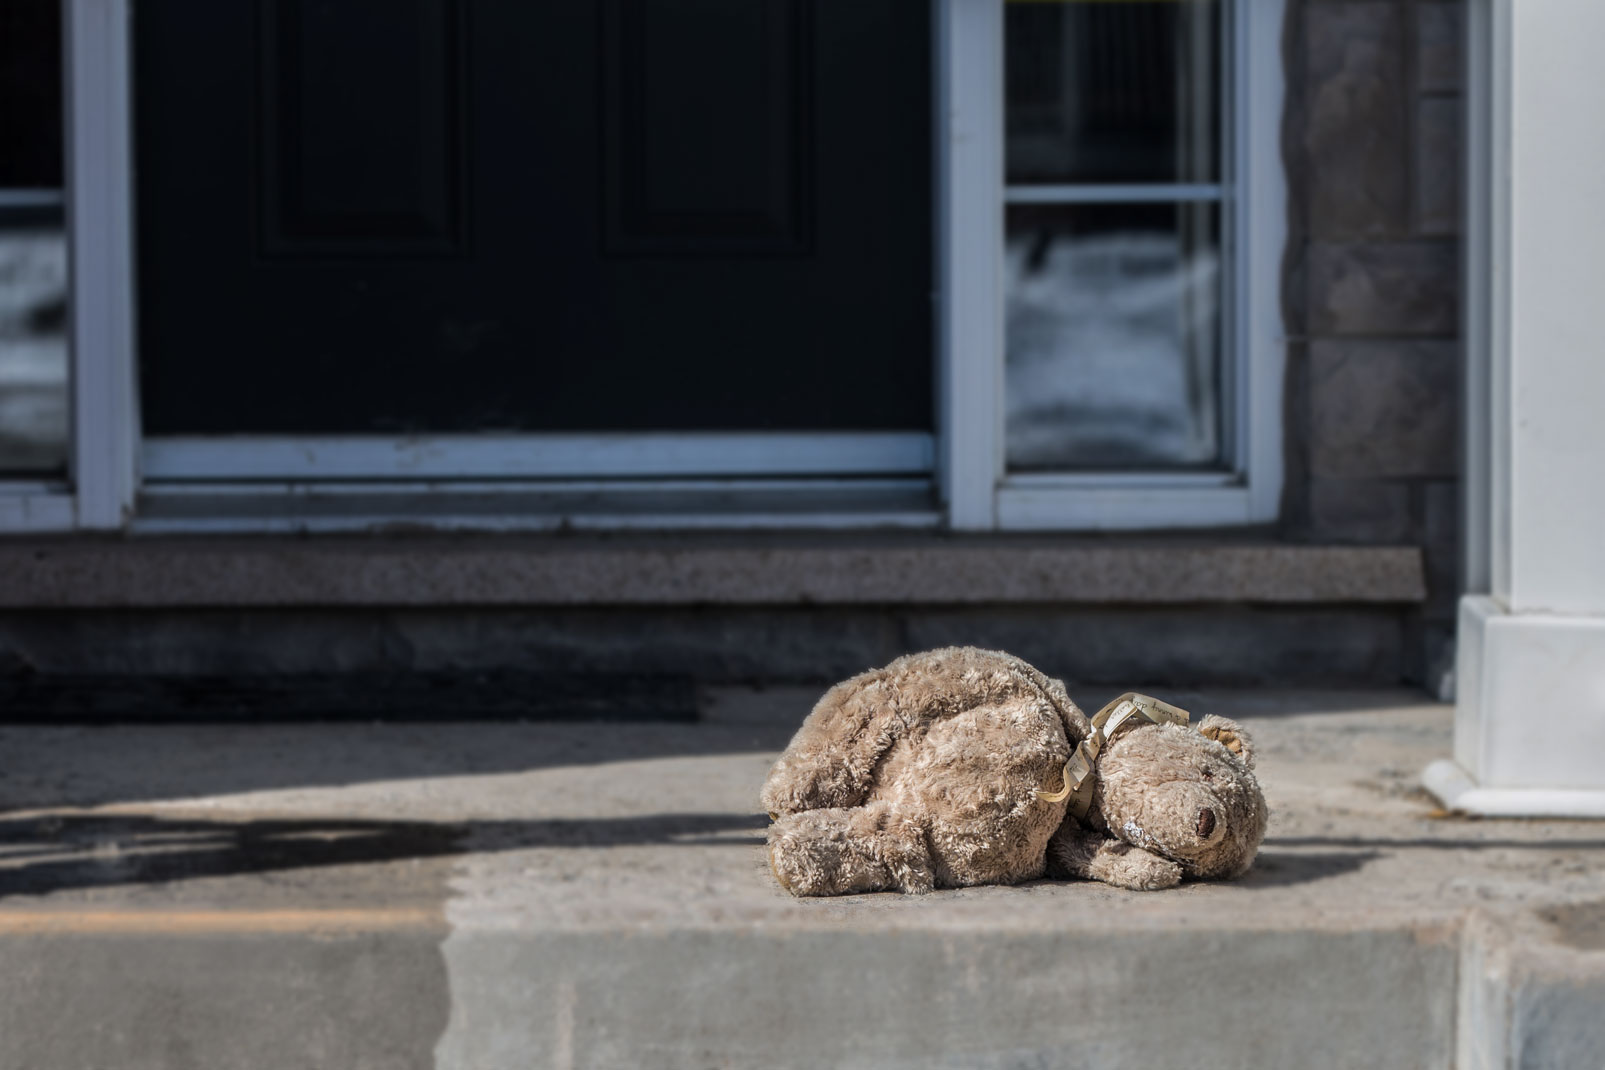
{"points": [[1372, 146]]}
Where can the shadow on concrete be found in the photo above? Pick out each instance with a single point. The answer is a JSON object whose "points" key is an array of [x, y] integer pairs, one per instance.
{"points": [[1539, 843], [84, 766], [1260, 703], [1274, 869], [503, 695], [53, 853], [50, 853]]}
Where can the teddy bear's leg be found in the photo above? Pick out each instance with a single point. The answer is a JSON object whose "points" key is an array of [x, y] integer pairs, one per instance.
{"points": [[1078, 852], [845, 850], [831, 761]]}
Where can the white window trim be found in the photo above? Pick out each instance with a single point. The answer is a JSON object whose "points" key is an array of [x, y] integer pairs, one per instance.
{"points": [[536, 456], [107, 447], [105, 409], [970, 258], [1122, 193], [980, 494], [325, 506], [111, 464], [33, 506]]}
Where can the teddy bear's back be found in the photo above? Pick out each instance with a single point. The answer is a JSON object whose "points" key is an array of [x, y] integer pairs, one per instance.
{"points": [[983, 731], [949, 744], [937, 683]]}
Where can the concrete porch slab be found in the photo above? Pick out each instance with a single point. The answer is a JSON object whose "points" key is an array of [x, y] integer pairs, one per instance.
{"points": [[595, 895]]}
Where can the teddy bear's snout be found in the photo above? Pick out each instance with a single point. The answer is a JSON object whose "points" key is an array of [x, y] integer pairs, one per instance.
{"points": [[1206, 823]]}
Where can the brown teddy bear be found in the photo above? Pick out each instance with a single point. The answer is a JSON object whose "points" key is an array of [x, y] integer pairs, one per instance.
{"points": [[963, 766]]}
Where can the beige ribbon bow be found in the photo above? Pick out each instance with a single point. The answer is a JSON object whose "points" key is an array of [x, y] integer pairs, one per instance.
{"points": [[1127, 711]]}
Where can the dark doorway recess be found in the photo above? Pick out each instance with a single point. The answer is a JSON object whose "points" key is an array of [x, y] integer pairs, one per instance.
{"points": [[394, 216]]}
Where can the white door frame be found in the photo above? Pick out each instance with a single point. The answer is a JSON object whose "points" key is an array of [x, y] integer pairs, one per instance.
{"points": [[969, 257], [102, 411], [966, 453], [528, 458], [105, 398], [111, 463]]}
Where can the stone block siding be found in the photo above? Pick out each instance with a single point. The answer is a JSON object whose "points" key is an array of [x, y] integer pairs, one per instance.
{"points": [[1371, 292]]}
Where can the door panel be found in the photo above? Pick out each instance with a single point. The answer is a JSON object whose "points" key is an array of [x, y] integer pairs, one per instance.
{"points": [[361, 157], [396, 216], [706, 126]]}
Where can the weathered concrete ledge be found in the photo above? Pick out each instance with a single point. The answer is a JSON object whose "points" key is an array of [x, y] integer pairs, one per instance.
{"points": [[483, 897], [568, 571]]}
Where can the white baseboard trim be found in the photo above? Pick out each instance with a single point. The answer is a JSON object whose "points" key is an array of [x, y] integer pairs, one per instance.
{"points": [[1456, 789]]}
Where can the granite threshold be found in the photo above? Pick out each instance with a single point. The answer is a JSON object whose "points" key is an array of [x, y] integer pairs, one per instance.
{"points": [[751, 569]]}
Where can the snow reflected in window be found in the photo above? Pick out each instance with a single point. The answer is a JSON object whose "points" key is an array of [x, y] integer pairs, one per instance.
{"points": [[1113, 353], [33, 352]]}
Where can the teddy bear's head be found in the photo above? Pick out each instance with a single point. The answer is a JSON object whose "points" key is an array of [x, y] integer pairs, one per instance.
{"points": [[1187, 793]]}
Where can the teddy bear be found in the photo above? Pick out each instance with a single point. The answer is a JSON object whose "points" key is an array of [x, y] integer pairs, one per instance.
{"points": [[963, 766]]}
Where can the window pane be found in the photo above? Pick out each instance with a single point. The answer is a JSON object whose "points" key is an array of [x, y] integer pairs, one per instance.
{"points": [[33, 350], [33, 249], [1113, 337], [30, 93], [1113, 92]]}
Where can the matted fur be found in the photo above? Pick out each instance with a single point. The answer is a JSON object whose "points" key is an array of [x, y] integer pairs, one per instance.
{"points": [[922, 775]]}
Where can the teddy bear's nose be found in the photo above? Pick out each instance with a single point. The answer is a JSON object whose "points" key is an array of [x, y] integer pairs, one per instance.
{"points": [[1206, 823]]}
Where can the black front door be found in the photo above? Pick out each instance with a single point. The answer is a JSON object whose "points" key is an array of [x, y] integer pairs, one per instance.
{"points": [[393, 216]]}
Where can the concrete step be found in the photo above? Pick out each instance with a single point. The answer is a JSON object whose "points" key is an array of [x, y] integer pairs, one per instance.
{"points": [[595, 895]]}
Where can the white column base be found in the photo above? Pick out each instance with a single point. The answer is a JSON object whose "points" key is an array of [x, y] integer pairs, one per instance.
{"points": [[1455, 788], [1530, 719]]}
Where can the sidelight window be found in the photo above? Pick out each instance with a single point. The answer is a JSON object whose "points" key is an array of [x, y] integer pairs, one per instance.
{"points": [[1116, 277], [1120, 362], [33, 254]]}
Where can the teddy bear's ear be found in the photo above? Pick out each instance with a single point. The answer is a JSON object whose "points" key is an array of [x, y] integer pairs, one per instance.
{"points": [[1231, 735]]}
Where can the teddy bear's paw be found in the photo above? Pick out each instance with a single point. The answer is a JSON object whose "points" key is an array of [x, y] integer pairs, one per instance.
{"points": [[800, 866], [794, 878], [911, 876], [1126, 866], [1071, 852], [847, 851], [1151, 879]]}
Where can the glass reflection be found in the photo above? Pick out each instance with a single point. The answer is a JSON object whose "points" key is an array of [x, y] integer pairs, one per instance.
{"points": [[1113, 337], [1113, 92], [33, 247], [33, 351]]}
